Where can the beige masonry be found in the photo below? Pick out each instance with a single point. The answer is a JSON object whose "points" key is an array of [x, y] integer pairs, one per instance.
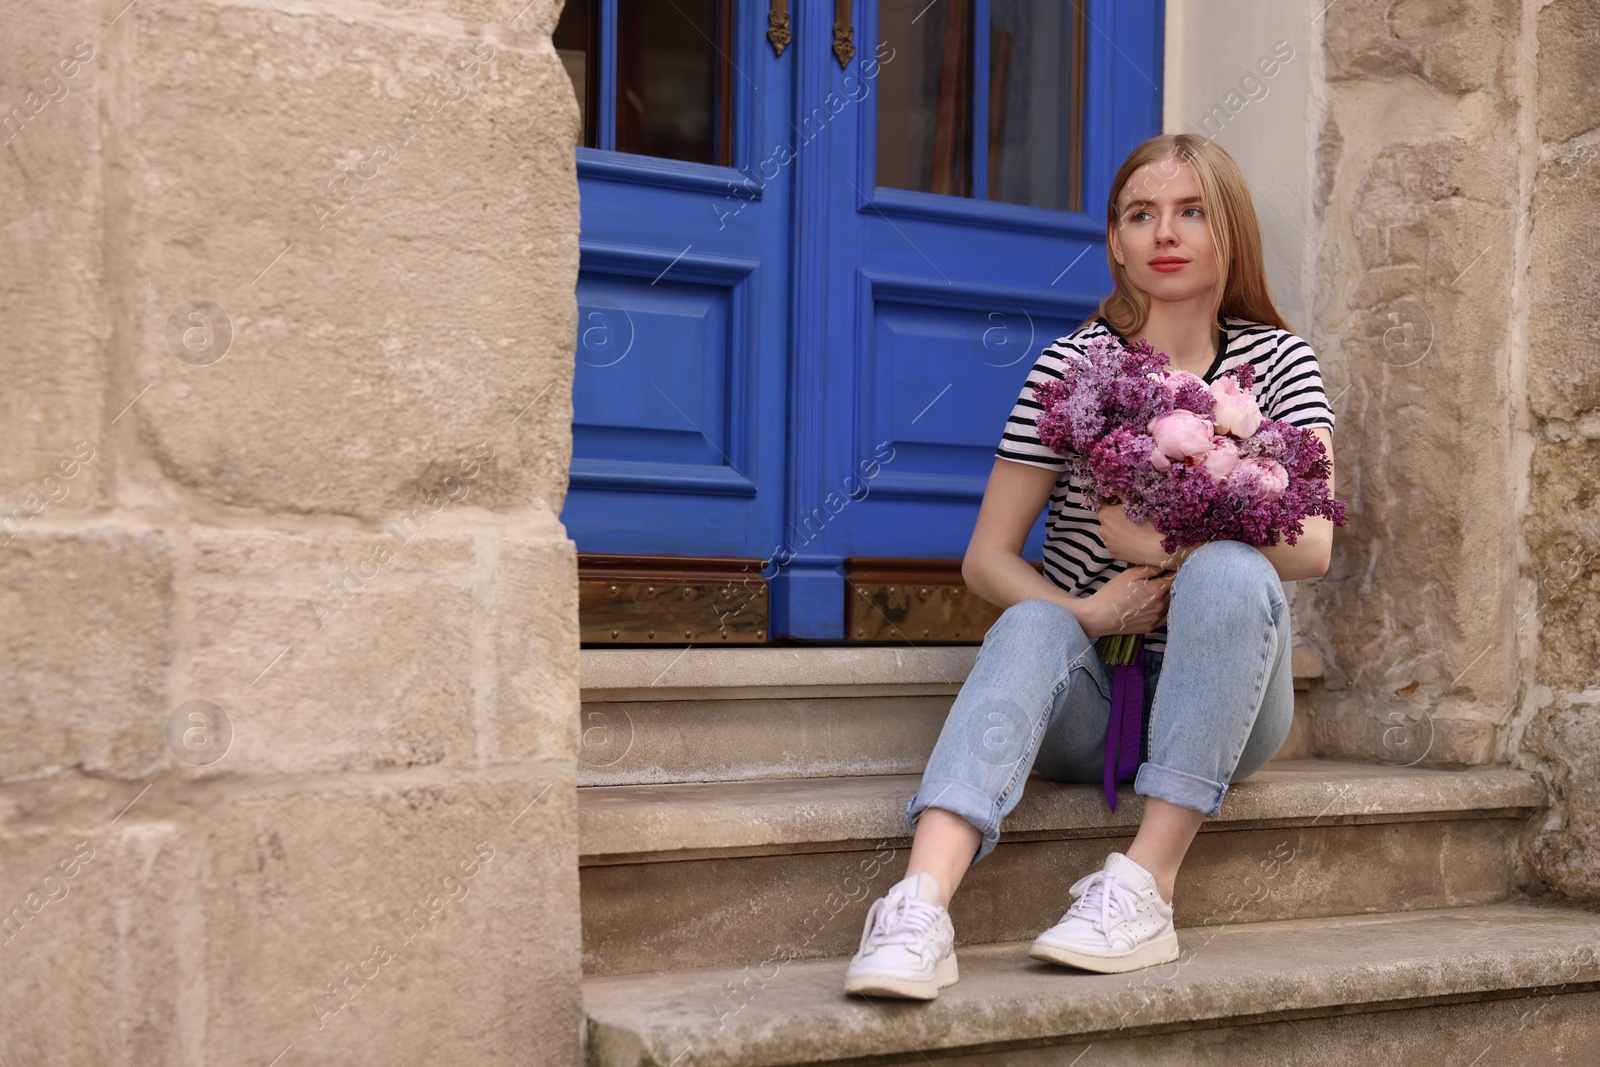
{"points": [[1559, 605], [1417, 266], [294, 283], [326, 392]]}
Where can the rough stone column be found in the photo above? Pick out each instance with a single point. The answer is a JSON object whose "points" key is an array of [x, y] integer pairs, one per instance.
{"points": [[290, 692], [1560, 602], [1420, 200]]}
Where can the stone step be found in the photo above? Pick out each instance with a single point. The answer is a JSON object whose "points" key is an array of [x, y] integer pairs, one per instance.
{"points": [[713, 715], [1496, 984], [682, 876], [661, 715]]}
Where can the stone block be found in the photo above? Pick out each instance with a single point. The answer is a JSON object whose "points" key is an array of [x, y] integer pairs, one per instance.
{"points": [[531, 616], [395, 924], [88, 640], [53, 362], [1563, 532], [1452, 49], [1563, 331], [1565, 853], [380, 318], [1569, 68], [383, 678], [90, 941], [1420, 316], [1401, 729]]}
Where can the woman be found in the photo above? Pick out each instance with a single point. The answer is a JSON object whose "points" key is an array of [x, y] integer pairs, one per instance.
{"points": [[1185, 254]]}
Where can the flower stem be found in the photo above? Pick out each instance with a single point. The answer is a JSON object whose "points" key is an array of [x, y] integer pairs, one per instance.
{"points": [[1117, 649]]}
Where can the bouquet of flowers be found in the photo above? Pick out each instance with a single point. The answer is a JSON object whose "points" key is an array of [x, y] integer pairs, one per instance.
{"points": [[1199, 461]]}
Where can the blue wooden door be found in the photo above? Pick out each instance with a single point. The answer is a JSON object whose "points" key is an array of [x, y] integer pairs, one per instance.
{"points": [[800, 347], [683, 285]]}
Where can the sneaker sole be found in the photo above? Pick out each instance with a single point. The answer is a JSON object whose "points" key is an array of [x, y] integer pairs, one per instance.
{"points": [[885, 985], [1163, 949]]}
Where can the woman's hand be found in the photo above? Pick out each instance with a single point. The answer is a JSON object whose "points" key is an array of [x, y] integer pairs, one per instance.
{"points": [[1136, 542], [1132, 542], [1132, 602]]}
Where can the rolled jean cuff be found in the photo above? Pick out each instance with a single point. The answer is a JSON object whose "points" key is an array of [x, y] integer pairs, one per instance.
{"points": [[1176, 787], [961, 799]]}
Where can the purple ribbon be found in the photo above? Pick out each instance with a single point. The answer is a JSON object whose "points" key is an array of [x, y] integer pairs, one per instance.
{"points": [[1126, 728]]}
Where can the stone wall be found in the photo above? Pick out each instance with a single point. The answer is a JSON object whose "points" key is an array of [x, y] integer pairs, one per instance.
{"points": [[1419, 228], [1559, 607], [1456, 304], [290, 692]]}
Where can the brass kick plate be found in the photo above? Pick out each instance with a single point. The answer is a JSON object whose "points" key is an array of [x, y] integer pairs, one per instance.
{"points": [[917, 600], [671, 601], [899, 612]]}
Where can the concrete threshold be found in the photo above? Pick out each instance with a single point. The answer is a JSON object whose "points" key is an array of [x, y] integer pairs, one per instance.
{"points": [[777, 1011], [643, 823]]}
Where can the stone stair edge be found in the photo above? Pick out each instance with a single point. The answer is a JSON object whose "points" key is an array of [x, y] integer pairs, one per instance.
{"points": [[611, 675], [640, 823], [1228, 975], [628, 674]]}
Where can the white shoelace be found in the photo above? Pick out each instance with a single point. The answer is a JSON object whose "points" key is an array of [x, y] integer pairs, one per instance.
{"points": [[1115, 900], [899, 919]]}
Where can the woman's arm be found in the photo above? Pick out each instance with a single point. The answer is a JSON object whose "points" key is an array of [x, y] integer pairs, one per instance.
{"points": [[1132, 602], [1309, 558]]}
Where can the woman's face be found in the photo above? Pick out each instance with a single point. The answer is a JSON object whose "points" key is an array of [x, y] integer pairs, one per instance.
{"points": [[1160, 236]]}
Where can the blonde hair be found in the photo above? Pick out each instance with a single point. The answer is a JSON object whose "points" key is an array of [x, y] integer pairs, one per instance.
{"points": [[1231, 218]]}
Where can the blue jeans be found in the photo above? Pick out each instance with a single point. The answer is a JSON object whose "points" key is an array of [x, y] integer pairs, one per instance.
{"points": [[1218, 702]]}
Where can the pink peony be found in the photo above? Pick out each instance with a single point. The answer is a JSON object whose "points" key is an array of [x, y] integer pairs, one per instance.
{"points": [[1179, 435], [1266, 477], [1236, 411], [1178, 379], [1174, 380], [1222, 459]]}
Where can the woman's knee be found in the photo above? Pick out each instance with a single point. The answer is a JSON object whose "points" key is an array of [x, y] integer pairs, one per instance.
{"points": [[1228, 565], [1031, 619]]}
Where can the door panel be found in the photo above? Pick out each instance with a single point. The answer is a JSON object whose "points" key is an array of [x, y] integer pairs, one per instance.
{"points": [[679, 434], [931, 353]]}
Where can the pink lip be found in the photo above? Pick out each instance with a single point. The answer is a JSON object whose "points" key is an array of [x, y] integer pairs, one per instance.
{"points": [[1168, 264]]}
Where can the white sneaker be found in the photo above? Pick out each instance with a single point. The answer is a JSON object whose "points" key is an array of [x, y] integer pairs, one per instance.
{"points": [[1117, 923], [908, 945]]}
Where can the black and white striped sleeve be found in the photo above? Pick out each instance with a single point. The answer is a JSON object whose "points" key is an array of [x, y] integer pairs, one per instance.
{"points": [[1295, 394], [1020, 443]]}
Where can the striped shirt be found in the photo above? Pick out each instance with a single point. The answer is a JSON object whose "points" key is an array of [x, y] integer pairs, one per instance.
{"points": [[1288, 387]]}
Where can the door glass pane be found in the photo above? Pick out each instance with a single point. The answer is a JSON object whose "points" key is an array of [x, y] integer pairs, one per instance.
{"points": [[675, 79], [925, 106], [1036, 103], [574, 40]]}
